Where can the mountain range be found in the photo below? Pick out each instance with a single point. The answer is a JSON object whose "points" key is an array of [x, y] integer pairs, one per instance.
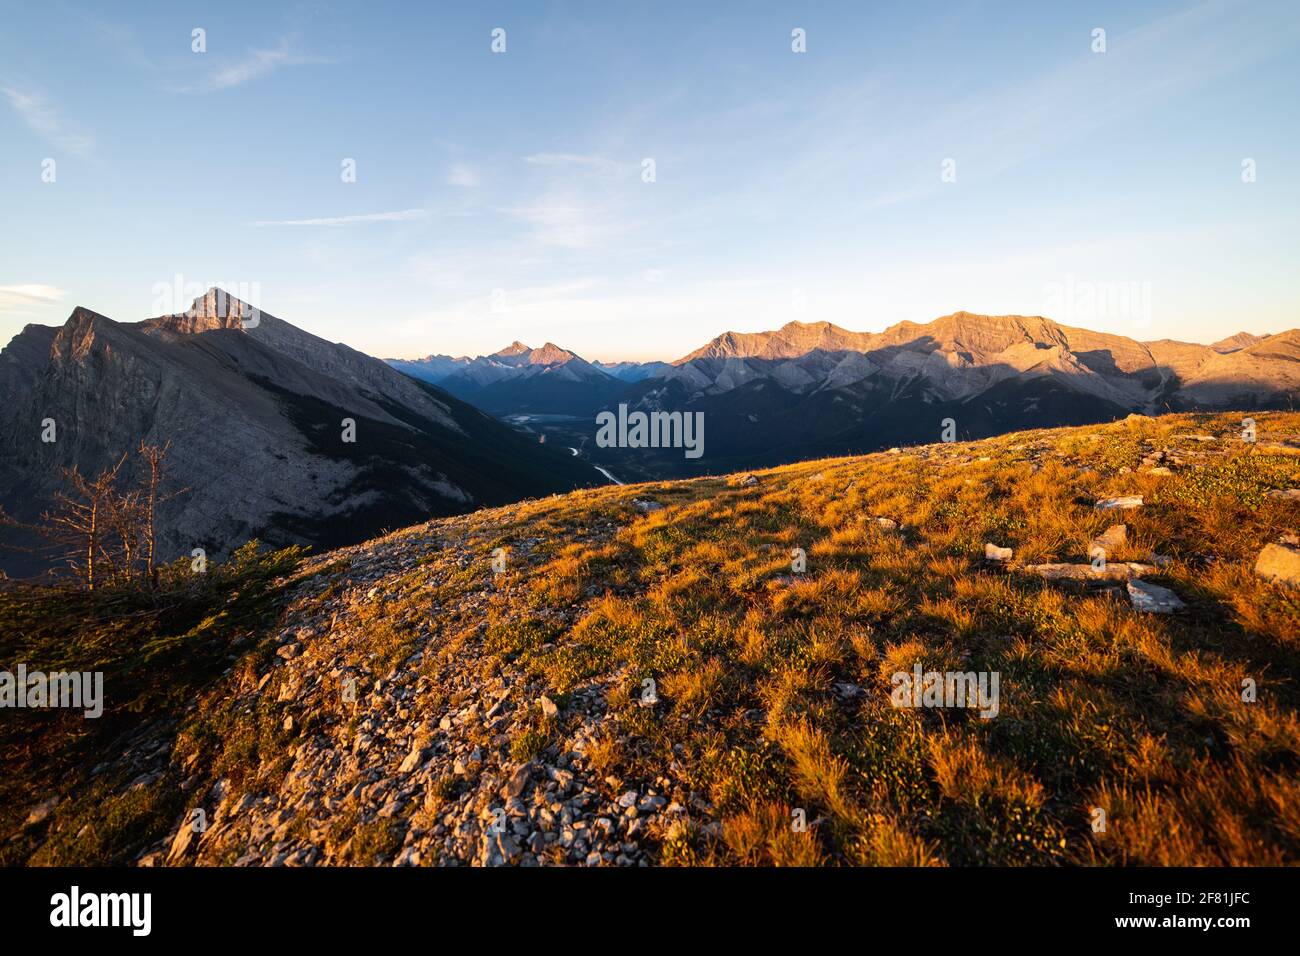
{"points": [[255, 413], [810, 389], [258, 412]]}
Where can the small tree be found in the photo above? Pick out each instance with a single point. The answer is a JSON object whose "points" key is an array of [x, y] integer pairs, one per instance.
{"points": [[156, 459], [83, 517], [124, 543], [101, 530]]}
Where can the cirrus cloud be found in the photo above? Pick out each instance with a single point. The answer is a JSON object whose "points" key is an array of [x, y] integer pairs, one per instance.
{"points": [[22, 299], [36, 111], [401, 215]]}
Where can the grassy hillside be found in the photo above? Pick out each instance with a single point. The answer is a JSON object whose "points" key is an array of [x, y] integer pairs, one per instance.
{"points": [[407, 702]]}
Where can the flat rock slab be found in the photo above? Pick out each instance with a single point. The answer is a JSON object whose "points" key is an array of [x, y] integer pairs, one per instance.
{"points": [[1280, 564], [1122, 503], [1152, 598], [1112, 539], [1089, 575]]}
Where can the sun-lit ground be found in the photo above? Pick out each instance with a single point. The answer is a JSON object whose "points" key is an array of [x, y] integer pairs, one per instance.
{"points": [[769, 687]]}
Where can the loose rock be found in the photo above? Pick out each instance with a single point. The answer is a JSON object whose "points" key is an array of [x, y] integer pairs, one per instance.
{"points": [[1153, 598], [994, 553], [1280, 564], [1123, 503]]}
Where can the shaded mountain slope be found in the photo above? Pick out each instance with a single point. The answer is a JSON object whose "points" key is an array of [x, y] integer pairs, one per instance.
{"points": [[256, 417]]}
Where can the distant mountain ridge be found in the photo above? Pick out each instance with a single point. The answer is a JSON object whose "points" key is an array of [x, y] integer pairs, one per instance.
{"points": [[960, 355], [632, 371], [255, 413], [954, 357], [546, 380], [810, 389]]}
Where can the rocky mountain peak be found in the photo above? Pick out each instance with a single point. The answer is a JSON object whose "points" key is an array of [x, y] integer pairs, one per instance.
{"points": [[78, 334], [82, 316], [549, 354], [1241, 340], [215, 309], [219, 304]]}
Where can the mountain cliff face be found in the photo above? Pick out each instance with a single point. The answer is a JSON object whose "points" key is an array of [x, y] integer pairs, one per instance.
{"points": [[1239, 341], [255, 412]]}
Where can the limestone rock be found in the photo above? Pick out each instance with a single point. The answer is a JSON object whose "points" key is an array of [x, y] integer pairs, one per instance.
{"points": [[1110, 540], [1153, 598], [994, 553], [1280, 564], [1122, 503], [1087, 574]]}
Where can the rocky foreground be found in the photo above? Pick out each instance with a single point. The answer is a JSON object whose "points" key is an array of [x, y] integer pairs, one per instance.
{"points": [[425, 741]]}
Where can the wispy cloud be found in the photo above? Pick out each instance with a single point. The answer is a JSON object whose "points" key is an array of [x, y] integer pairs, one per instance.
{"points": [[461, 175], [20, 299], [253, 65], [37, 113], [401, 215]]}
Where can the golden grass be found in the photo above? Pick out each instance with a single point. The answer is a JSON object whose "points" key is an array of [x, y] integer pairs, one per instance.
{"points": [[1100, 705], [774, 683]]}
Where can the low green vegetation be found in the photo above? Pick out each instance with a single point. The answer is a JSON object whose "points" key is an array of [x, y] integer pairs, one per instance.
{"points": [[159, 650]]}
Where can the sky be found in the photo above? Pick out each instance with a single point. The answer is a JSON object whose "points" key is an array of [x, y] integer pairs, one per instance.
{"points": [[629, 180]]}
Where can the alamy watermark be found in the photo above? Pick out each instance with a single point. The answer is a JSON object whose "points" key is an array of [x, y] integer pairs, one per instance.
{"points": [[36, 690], [75, 908], [1084, 301], [970, 689], [179, 297], [651, 430]]}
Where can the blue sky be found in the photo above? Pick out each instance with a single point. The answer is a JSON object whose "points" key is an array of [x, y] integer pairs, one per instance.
{"points": [[501, 196]]}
